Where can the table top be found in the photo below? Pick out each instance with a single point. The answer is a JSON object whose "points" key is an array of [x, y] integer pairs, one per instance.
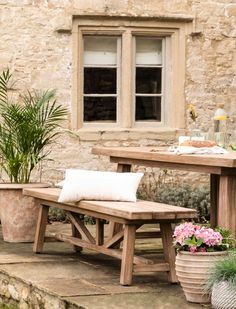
{"points": [[156, 154]]}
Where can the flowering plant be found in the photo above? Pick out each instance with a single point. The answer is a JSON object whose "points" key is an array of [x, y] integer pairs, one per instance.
{"points": [[196, 238], [192, 112]]}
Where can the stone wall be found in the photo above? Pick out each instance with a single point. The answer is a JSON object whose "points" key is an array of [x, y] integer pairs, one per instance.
{"points": [[41, 57], [20, 294]]}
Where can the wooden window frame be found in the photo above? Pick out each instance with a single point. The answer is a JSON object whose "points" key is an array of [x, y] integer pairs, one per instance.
{"points": [[173, 31]]}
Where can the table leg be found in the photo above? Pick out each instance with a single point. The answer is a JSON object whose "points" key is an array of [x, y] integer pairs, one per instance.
{"points": [[214, 192], [226, 213], [114, 228], [123, 168]]}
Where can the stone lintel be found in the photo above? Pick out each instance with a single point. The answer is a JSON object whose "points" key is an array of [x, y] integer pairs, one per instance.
{"points": [[162, 17]]}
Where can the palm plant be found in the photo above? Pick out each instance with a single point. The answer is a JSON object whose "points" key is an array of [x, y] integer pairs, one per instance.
{"points": [[27, 128]]}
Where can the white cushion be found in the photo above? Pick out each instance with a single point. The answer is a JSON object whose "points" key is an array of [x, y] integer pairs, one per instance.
{"points": [[95, 185]]}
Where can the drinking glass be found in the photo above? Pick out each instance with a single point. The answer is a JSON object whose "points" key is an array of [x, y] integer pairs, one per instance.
{"points": [[197, 135], [220, 139]]}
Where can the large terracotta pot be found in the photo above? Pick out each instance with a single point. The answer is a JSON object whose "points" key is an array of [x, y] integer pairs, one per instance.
{"points": [[193, 270], [18, 212]]}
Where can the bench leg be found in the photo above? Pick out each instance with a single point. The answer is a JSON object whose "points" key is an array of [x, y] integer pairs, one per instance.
{"points": [[99, 232], [169, 251], [40, 229], [127, 255], [114, 228], [76, 233]]}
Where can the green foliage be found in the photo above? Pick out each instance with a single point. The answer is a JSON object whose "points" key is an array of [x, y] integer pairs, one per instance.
{"points": [[57, 214], [4, 81], [89, 220], [224, 270], [228, 240], [191, 242], [7, 307], [27, 128], [185, 196]]}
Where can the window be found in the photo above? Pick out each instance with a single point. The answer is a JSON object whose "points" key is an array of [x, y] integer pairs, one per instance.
{"points": [[148, 79], [101, 76], [128, 73]]}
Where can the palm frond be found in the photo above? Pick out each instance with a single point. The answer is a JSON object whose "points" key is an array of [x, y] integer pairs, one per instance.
{"points": [[4, 80]]}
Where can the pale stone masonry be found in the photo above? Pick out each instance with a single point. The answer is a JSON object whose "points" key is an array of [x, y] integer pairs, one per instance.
{"points": [[36, 44]]}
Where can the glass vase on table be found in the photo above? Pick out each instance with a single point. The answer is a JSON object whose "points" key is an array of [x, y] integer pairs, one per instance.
{"points": [[196, 135]]}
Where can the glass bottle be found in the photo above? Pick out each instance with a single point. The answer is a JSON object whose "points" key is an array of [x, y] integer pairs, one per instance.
{"points": [[220, 126], [220, 118]]}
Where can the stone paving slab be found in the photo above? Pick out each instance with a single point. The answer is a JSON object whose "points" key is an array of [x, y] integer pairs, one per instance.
{"points": [[134, 301], [167, 298], [62, 279]]}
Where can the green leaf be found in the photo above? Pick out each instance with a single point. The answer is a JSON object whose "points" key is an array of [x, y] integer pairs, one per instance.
{"points": [[199, 242], [191, 241]]}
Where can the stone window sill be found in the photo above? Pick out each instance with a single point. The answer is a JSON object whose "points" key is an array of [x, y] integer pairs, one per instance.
{"points": [[92, 134]]}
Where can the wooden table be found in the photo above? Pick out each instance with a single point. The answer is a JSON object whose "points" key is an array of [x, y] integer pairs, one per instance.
{"points": [[221, 167]]}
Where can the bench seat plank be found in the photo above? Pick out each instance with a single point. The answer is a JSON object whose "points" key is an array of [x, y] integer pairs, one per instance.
{"points": [[140, 210]]}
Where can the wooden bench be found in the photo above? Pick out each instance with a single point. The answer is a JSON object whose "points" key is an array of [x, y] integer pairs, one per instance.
{"points": [[131, 215]]}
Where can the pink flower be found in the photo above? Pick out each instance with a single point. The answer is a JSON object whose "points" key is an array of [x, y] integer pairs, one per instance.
{"points": [[193, 249], [196, 238], [209, 237], [183, 232]]}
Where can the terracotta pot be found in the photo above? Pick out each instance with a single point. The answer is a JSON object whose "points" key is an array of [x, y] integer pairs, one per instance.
{"points": [[18, 212], [193, 270]]}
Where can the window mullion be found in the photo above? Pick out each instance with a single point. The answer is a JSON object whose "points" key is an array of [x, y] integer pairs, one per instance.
{"points": [[127, 80]]}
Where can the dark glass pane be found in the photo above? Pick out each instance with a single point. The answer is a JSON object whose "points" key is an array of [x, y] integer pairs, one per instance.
{"points": [[148, 80], [100, 80], [99, 109], [148, 108]]}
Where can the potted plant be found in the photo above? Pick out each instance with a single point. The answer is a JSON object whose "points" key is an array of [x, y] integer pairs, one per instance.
{"points": [[28, 127], [222, 283], [198, 247]]}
